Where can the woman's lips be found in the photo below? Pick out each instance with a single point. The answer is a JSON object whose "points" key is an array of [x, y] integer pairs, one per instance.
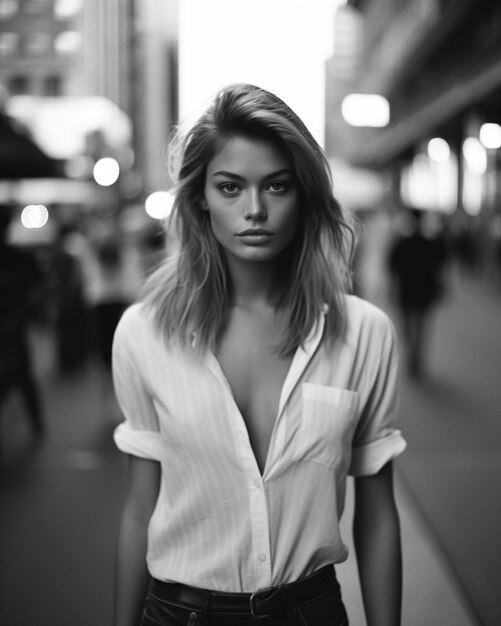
{"points": [[255, 236], [255, 232]]}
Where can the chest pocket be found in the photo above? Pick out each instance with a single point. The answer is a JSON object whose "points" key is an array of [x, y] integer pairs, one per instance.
{"points": [[327, 425]]}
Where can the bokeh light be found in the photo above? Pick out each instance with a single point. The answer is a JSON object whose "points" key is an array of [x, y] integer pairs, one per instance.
{"points": [[106, 171], [34, 216], [475, 155], [366, 109], [490, 136], [159, 204], [438, 150]]}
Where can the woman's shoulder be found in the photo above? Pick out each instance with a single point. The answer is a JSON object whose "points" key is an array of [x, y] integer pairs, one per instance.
{"points": [[136, 324], [362, 316], [135, 314]]}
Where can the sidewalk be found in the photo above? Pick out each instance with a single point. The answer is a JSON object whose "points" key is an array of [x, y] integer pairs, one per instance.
{"points": [[452, 421]]}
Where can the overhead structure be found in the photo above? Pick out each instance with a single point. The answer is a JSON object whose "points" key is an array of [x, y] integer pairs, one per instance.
{"points": [[435, 62], [20, 156]]}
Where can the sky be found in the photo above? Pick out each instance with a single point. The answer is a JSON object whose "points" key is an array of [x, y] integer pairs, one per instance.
{"points": [[280, 45]]}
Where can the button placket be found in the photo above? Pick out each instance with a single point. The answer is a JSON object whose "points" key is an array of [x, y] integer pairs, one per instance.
{"points": [[260, 533]]}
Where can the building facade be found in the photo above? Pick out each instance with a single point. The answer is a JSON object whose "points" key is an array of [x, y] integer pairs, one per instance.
{"points": [[108, 66], [438, 62]]}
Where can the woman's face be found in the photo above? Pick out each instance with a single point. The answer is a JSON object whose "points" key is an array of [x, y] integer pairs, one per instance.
{"points": [[252, 198]]}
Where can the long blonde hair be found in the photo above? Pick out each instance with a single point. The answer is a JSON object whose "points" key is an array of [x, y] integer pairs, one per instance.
{"points": [[189, 292]]}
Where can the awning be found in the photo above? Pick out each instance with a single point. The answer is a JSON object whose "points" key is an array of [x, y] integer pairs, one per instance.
{"points": [[20, 157]]}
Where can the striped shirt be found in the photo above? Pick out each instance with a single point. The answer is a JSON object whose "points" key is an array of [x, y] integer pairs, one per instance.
{"points": [[218, 523]]}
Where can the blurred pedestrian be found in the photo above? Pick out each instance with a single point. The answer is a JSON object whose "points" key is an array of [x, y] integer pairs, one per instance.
{"points": [[251, 385], [417, 262], [68, 300], [20, 293], [110, 290], [110, 296]]}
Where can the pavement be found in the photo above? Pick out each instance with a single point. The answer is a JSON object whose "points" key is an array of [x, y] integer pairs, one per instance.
{"points": [[61, 497], [452, 420]]}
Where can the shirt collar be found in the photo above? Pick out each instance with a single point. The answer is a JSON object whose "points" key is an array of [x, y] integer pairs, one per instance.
{"points": [[302, 357]]}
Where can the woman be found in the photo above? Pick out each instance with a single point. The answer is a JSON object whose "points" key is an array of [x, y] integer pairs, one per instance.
{"points": [[252, 385]]}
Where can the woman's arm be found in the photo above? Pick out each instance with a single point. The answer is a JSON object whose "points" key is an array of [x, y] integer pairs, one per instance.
{"points": [[376, 532], [131, 575]]}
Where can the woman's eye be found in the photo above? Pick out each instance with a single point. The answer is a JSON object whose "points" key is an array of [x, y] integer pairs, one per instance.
{"points": [[277, 187], [229, 188]]}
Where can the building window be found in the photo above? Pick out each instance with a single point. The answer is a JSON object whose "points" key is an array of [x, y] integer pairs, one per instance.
{"points": [[53, 86], [67, 42], [38, 44], [18, 85], [9, 44], [8, 8], [67, 9]]}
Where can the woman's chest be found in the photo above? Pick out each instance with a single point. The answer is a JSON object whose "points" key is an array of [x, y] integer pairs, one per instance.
{"points": [[202, 404], [255, 372]]}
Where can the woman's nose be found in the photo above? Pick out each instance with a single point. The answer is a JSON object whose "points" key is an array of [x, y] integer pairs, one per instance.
{"points": [[255, 209]]}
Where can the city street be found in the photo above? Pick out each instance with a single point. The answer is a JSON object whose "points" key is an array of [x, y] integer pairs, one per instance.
{"points": [[60, 497], [120, 118]]}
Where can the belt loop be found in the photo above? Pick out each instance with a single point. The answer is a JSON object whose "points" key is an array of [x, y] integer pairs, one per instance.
{"points": [[209, 601], [197, 618]]}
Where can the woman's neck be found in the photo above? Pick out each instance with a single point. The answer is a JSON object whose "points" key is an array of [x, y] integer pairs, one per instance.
{"points": [[255, 285]]}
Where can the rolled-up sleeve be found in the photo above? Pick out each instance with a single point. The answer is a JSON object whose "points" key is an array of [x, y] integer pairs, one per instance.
{"points": [[377, 440], [139, 434]]}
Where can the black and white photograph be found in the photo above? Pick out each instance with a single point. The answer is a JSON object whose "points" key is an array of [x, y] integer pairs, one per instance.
{"points": [[250, 308]]}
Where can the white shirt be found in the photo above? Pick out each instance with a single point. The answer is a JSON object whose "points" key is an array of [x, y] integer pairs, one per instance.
{"points": [[218, 523]]}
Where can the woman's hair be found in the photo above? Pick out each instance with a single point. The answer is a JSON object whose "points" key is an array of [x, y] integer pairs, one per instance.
{"points": [[189, 292]]}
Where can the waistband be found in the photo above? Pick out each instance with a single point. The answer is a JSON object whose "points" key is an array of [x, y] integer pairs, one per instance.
{"points": [[260, 604]]}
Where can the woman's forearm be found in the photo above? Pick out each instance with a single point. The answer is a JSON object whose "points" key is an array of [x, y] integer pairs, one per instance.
{"points": [[131, 575], [380, 569], [378, 548]]}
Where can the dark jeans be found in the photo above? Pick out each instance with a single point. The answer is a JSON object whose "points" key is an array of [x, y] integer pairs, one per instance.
{"points": [[322, 609]]}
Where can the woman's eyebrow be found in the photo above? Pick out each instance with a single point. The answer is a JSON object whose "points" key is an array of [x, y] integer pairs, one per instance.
{"points": [[227, 174], [283, 172]]}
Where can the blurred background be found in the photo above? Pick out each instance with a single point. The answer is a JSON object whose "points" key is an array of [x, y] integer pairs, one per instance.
{"points": [[405, 96]]}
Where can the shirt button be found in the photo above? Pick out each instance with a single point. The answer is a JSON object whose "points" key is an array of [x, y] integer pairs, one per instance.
{"points": [[261, 558], [257, 484]]}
